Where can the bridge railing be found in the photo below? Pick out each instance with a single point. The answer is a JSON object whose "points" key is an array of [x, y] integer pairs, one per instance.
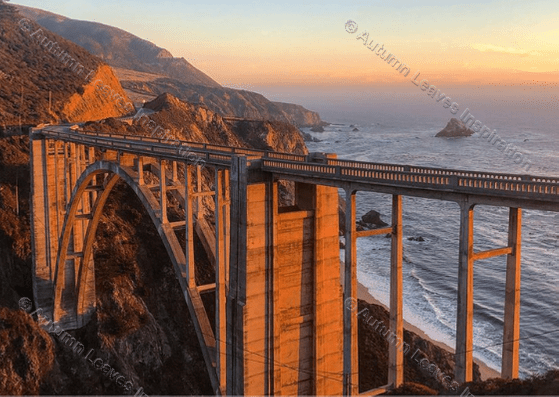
{"points": [[198, 146], [342, 170], [439, 171], [455, 181]]}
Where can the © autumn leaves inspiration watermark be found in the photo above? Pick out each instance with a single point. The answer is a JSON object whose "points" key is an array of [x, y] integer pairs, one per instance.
{"points": [[78, 348], [391, 337], [508, 149]]}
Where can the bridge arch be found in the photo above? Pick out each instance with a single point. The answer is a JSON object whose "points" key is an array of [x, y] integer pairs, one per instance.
{"points": [[114, 173]]}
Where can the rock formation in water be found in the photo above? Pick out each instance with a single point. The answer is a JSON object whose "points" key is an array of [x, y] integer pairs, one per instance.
{"points": [[455, 128]]}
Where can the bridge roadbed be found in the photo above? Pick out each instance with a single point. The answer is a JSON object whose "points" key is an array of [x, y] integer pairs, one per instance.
{"points": [[512, 190]]}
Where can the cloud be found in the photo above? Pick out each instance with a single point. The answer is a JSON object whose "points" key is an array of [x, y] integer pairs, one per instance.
{"points": [[503, 50]]}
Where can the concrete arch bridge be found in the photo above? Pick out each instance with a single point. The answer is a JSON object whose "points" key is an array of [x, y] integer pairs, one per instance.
{"points": [[281, 326]]}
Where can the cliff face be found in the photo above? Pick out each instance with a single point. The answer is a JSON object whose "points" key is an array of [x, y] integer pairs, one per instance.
{"points": [[15, 234], [38, 64], [95, 102], [225, 101], [299, 116], [26, 354], [270, 135], [186, 121]]}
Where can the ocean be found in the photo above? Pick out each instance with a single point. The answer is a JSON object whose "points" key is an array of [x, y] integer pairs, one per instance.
{"points": [[396, 133]]}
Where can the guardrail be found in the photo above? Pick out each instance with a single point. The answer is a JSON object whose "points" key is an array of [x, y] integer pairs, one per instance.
{"points": [[196, 146], [445, 180], [521, 186]]}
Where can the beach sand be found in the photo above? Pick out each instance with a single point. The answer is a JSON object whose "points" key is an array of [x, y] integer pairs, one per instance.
{"points": [[486, 372]]}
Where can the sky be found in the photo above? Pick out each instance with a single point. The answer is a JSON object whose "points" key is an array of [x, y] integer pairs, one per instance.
{"points": [[250, 44]]}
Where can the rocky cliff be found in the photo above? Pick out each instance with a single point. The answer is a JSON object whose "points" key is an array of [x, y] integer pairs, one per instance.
{"points": [[49, 79], [225, 101], [300, 116]]}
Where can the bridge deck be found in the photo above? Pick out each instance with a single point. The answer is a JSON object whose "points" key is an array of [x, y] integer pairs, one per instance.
{"points": [[532, 192]]}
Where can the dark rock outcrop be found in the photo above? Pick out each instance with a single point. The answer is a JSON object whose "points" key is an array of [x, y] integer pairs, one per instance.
{"points": [[373, 323], [373, 218], [317, 128], [26, 354], [455, 128], [308, 137]]}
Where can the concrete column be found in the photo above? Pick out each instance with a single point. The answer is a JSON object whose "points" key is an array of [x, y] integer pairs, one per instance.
{"points": [[67, 191], [90, 155], [91, 159], [227, 222], [140, 170], [163, 191], [351, 358], [40, 222], [199, 199], [328, 300], [220, 312], [511, 333], [58, 173], [396, 353], [464, 323], [190, 271], [175, 176], [237, 278]]}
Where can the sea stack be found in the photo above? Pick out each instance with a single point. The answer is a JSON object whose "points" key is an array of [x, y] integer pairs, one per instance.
{"points": [[455, 128]]}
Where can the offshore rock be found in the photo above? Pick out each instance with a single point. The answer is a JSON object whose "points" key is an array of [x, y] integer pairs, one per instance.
{"points": [[455, 128]]}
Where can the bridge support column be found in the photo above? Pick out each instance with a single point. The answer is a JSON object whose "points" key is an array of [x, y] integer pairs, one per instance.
{"points": [[396, 352], [163, 191], [509, 369], [465, 314], [350, 341], [51, 163], [43, 260], [285, 302], [189, 250], [140, 170], [221, 187], [236, 297]]}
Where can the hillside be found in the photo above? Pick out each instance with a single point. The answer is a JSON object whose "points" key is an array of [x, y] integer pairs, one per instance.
{"points": [[36, 63], [176, 76], [119, 48], [225, 101]]}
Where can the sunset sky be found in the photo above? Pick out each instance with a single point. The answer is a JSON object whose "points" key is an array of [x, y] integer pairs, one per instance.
{"points": [[247, 44]]}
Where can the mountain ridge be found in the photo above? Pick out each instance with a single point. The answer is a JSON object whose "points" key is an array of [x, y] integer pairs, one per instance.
{"points": [[123, 50]]}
